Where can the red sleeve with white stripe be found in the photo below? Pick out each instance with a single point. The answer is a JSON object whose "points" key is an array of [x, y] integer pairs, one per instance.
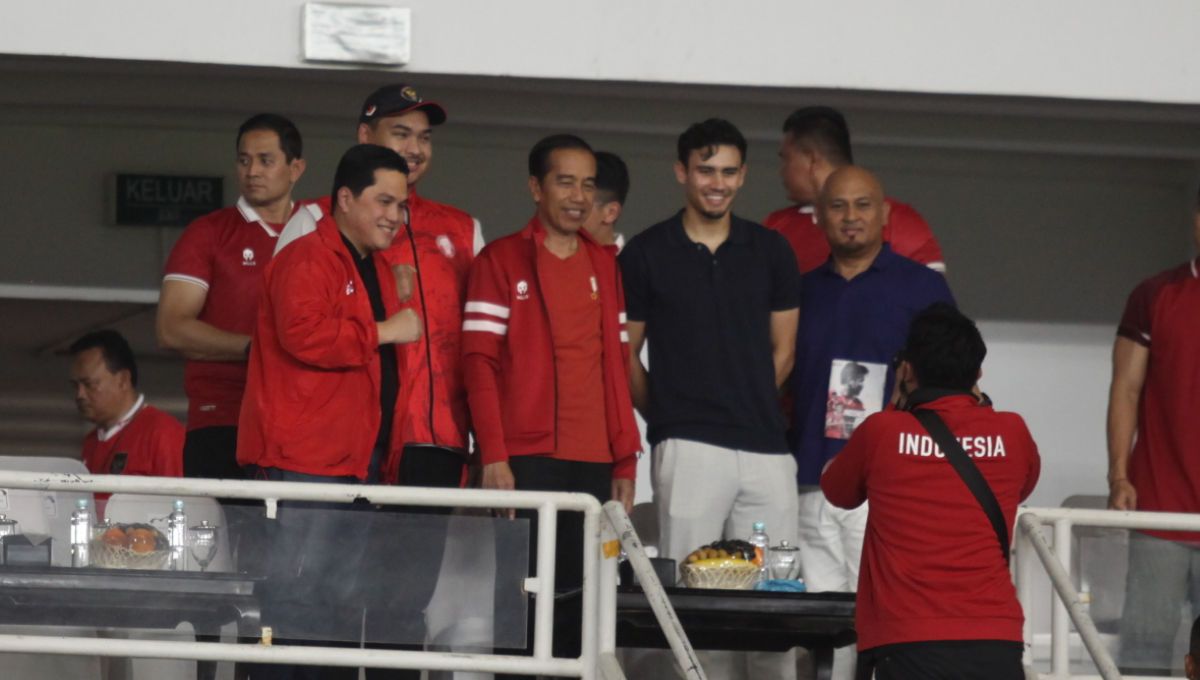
{"points": [[191, 259], [485, 330], [1135, 321]]}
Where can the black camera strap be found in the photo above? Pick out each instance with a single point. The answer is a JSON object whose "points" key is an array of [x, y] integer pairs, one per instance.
{"points": [[967, 470]]}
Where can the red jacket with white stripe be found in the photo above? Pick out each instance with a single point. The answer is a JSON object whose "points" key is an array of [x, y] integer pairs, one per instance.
{"points": [[508, 353], [312, 390]]}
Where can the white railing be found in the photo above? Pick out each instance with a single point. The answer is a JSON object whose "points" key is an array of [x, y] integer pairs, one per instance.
{"points": [[596, 661], [1031, 545]]}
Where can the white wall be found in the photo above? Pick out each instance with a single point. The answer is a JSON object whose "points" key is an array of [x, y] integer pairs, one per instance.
{"points": [[1114, 50]]}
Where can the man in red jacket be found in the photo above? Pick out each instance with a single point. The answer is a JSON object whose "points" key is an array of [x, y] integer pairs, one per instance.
{"points": [[322, 392], [816, 142], [935, 599], [432, 256], [546, 357]]}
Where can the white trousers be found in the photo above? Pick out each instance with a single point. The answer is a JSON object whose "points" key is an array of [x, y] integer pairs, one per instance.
{"points": [[831, 541], [704, 493]]}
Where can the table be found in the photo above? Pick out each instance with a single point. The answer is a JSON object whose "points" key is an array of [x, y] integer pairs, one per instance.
{"points": [[744, 620], [130, 598]]}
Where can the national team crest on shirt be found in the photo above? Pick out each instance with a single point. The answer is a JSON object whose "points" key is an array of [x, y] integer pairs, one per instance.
{"points": [[445, 245], [522, 290], [248, 258], [350, 287]]}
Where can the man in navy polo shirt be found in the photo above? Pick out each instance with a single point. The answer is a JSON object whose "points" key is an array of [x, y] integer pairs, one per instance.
{"points": [[857, 310], [717, 298]]}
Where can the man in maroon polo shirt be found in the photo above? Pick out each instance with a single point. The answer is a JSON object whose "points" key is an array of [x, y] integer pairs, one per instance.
{"points": [[1154, 455]]}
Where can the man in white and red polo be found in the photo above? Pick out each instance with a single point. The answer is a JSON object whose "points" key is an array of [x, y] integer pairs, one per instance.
{"points": [[212, 285]]}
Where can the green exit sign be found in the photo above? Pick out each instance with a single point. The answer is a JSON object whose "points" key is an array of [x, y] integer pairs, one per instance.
{"points": [[165, 200]]}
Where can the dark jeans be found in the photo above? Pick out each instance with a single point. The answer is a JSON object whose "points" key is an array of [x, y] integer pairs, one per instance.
{"points": [[342, 581], [943, 660], [542, 473], [312, 596], [419, 466]]}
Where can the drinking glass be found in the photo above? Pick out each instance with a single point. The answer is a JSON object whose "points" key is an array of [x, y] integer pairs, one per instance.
{"points": [[785, 561], [203, 543]]}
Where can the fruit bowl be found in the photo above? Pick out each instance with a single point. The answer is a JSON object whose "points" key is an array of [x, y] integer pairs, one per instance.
{"points": [[130, 546], [728, 574]]}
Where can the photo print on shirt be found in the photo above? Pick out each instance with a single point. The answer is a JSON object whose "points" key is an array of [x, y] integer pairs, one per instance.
{"points": [[855, 392]]}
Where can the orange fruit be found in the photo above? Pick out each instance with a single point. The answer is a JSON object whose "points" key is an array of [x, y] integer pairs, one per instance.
{"points": [[142, 540], [115, 537]]}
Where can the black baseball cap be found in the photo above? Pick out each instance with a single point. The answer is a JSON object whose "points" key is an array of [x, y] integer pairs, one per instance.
{"points": [[393, 100]]}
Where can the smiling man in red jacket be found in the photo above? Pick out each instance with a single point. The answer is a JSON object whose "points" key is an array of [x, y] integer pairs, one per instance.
{"points": [[322, 393], [816, 142], [935, 599], [546, 356]]}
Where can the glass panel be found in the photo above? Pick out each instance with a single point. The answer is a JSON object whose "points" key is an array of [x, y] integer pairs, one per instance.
{"points": [[319, 572]]}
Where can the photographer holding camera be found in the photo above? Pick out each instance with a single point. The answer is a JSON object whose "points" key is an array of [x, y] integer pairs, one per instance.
{"points": [[944, 473]]}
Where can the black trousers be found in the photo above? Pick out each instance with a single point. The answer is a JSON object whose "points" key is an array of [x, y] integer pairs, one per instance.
{"points": [[542, 473], [211, 453], [943, 660]]}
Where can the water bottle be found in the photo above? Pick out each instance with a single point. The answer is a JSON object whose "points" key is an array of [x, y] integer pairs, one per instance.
{"points": [[761, 543], [81, 533], [177, 537]]}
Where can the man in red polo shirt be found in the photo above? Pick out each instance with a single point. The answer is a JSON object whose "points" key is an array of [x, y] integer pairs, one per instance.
{"points": [[816, 142], [432, 257], [546, 356], [935, 599], [131, 437], [1153, 455], [211, 288]]}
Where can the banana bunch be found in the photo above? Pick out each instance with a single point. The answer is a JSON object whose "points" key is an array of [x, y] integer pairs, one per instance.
{"points": [[722, 554]]}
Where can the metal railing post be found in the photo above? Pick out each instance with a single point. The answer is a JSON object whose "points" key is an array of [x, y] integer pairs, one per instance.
{"points": [[591, 567], [607, 623], [1069, 597], [543, 583], [1023, 580], [672, 628], [1060, 630]]}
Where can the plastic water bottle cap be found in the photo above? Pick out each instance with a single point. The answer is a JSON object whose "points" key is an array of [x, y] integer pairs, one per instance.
{"points": [[178, 505], [81, 504], [759, 526]]}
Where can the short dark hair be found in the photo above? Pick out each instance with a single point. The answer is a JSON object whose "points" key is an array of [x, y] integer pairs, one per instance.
{"points": [[356, 169], [824, 129], [612, 178], [708, 135], [118, 355], [944, 348], [286, 130], [539, 155]]}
